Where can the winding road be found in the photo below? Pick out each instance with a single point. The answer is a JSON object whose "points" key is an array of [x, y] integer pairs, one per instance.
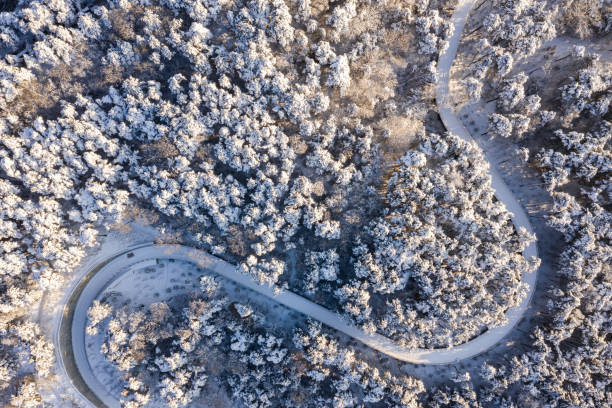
{"points": [[518, 215], [70, 335]]}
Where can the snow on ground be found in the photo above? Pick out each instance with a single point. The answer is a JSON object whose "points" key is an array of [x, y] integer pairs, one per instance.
{"points": [[502, 192], [170, 281], [145, 283], [526, 185], [56, 307], [99, 286], [133, 264], [141, 275]]}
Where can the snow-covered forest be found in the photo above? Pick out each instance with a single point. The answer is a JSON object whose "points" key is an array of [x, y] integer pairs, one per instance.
{"points": [[300, 141]]}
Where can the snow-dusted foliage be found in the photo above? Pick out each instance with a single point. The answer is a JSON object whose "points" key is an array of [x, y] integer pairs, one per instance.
{"points": [[433, 30], [268, 132], [474, 88], [508, 32], [512, 92], [62, 182], [585, 158], [590, 91], [332, 367], [567, 365], [500, 125], [517, 113], [340, 73], [444, 256], [159, 351], [321, 266], [227, 116], [520, 26], [563, 362], [586, 18], [166, 353], [567, 362]]}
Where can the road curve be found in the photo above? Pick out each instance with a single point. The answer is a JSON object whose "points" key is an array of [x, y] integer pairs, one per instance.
{"points": [[518, 215], [62, 336], [70, 336]]}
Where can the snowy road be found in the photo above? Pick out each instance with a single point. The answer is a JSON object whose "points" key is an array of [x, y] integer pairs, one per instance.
{"points": [[519, 217], [74, 353], [71, 332]]}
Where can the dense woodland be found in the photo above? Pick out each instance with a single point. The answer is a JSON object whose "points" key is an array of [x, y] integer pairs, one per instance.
{"points": [[559, 116], [299, 140]]}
